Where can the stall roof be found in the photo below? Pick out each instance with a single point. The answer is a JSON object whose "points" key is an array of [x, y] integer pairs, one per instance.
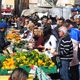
{"points": [[6, 14]]}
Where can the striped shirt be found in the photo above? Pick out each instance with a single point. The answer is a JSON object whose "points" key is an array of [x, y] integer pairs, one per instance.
{"points": [[66, 48]]}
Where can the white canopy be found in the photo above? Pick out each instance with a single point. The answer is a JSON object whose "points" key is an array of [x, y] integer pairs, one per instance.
{"points": [[6, 14]]}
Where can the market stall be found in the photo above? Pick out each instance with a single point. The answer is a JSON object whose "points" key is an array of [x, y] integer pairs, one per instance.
{"points": [[27, 60], [34, 62]]}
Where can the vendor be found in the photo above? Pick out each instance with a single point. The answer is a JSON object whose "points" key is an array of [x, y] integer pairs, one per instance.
{"points": [[3, 43]]}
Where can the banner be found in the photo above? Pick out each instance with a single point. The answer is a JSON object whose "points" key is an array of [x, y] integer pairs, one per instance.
{"points": [[41, 75]]}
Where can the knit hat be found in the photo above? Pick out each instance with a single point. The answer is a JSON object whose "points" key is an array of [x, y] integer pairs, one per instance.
{"points": [[73, 9], [63, 29]]}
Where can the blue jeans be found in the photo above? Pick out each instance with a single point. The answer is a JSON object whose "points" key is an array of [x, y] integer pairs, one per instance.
{"points": [[64, 70]]}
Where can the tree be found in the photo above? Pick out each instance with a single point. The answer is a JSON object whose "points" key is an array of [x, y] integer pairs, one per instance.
{"points": [[16, 10], [21, 5]]}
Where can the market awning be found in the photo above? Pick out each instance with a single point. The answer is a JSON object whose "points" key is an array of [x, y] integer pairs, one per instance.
{"points": [[28, 12], [7, 10], [6, 14]]}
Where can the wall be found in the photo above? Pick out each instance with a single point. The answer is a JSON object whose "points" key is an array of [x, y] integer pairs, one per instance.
{"points": [[64, 2], [33, 1], [6, 3]]}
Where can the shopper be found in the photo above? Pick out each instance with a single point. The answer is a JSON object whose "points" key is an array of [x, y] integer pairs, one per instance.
{"points": [[19, 74], [65, 53], [74, 64]]}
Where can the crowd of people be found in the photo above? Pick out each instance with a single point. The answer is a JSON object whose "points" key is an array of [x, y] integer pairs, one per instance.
{"points": [[59, 37]]}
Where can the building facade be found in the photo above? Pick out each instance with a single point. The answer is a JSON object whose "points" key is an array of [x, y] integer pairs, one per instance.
{"points": [[7, 3]]}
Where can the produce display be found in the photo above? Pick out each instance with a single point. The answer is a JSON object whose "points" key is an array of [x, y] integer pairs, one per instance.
{"points": [[19, 55], [13, 36], [21, 44], [9, 63], [29, 58]]}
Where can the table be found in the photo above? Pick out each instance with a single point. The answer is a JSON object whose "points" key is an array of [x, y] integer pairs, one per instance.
{"points": [[6, 77]]}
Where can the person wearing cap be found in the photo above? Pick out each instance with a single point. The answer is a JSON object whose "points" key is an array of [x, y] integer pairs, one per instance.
{"points": [[78, 9], [74, 11], [65, 52], [3, 43]]}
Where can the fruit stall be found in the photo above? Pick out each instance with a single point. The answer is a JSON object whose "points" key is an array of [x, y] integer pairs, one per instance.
{"points": [[33, 61], [26, 60]]}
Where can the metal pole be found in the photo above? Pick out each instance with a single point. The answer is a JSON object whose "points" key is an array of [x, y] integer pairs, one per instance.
{"points": [[16, 3]]}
